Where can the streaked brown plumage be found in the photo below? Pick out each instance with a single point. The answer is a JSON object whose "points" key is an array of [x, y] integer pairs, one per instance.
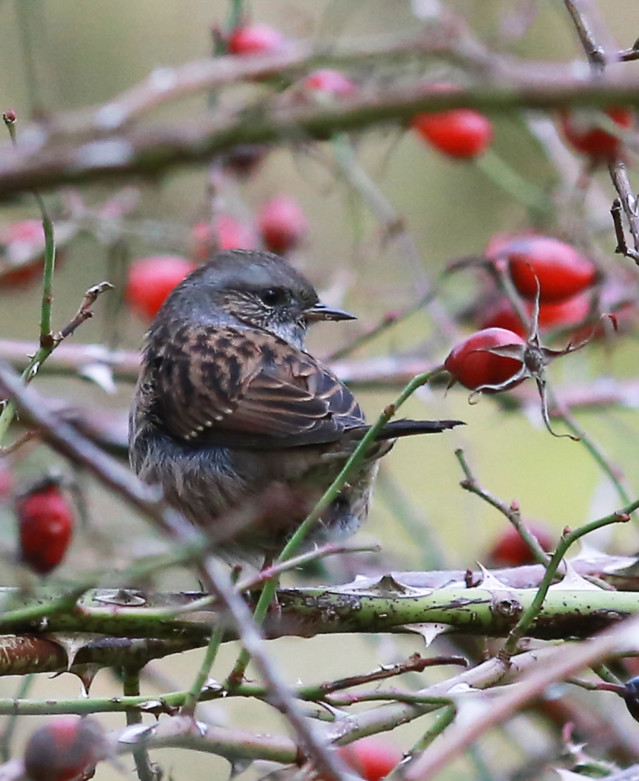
{"points": [[232, 414]]}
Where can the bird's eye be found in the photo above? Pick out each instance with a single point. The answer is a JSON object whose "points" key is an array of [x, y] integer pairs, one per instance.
{"points": [[274, 296]]}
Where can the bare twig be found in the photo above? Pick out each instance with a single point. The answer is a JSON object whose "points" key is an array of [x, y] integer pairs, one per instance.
{"points": [[511, 511], [626, 202], [594, 52], [84, 312], [559, 664], [142, 152]]}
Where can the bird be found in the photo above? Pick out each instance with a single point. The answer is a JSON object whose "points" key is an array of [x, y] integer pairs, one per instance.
{"points": [[235, 419]]}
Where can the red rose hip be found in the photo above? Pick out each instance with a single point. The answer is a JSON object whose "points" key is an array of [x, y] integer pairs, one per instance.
{"points": [[510, 549], [371, 758], [546, 265], [283, 224], [151, 280], [461, 133], [45, 524], [585, 134], [562, 314], [473, 365], [255, 39], [24, 239], [65, 749], [224, 232]]}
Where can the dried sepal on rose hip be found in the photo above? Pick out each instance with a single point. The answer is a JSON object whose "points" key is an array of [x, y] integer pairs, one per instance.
{"points": [[495, 360], [67, 748]]}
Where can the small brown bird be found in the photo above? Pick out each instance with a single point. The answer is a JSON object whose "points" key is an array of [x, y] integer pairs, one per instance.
{"points": [[232, 414]]}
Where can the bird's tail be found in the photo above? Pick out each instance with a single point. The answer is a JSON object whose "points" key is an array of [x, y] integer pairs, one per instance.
{"points": [[407, 428]]}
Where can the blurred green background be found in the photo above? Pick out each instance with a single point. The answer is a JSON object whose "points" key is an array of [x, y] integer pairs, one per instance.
{"points": [[83, 53]]}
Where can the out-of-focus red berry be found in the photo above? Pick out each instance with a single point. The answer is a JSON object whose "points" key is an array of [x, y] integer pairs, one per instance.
{"points": [[563, 314], [224, 232], [45, 521], [65, 749], [510, 550], [283, 224], [151, 279], [372, 758], [24, 239], [255, 39], [461, 133], [547, 265], [329, 81], [473, 365], [585, 134], [232, 233]]}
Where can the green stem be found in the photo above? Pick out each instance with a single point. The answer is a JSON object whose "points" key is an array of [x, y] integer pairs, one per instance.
{"points": [[511, 512], [194, 693], [505, 176], [606, 674], [329, 496], [23, 10], [131, 687], [47, 342], [565, 542], [46, 335], [7, 735], [590, 445], [443, 719]]}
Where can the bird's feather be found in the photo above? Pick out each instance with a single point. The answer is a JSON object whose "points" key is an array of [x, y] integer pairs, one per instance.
{"points": [[247, 388]]}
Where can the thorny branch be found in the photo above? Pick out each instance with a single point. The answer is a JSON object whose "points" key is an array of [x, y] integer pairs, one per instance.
{"points": [[101, 143], [148, 152]]}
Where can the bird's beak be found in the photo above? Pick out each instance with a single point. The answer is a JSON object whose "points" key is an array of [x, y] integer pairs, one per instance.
{"points": [[320, 311]]}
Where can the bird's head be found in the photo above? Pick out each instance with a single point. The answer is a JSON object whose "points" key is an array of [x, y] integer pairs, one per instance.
{"points": [[252, 288]]}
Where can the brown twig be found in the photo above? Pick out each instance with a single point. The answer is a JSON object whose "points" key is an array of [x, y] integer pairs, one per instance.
{"points": [[414, 663], [594, 51], [560, 663], [626, 202], [167, 85], [511, 511], [145, 152], [84, 312]]}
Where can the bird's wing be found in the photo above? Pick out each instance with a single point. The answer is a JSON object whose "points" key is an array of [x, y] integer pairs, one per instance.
{"points": [[247, 388]]}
